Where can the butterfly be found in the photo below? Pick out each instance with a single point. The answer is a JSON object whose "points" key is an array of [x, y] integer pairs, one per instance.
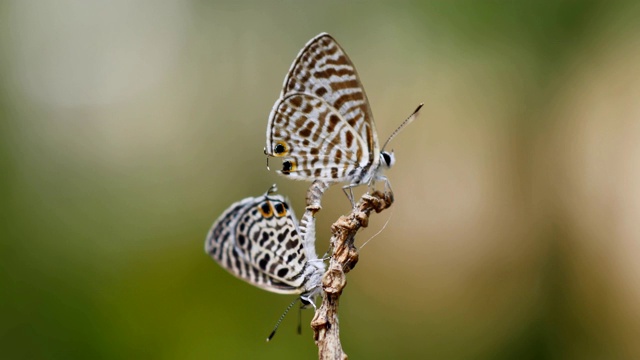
{"points": [[322, 126], [258, 240]]}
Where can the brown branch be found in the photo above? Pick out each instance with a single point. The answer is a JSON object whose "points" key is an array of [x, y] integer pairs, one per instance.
{"points": [[344, 257]]}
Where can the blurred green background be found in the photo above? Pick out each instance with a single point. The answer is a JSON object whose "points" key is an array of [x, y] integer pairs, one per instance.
{"points": [[126, 128]]}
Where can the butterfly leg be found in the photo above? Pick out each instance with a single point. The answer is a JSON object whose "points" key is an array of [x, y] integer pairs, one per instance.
{"points": [[306, 300], [348, 190], [387, 186]]}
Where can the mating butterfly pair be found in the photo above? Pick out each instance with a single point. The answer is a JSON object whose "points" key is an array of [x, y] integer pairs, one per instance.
{"points": [[322, 128]]}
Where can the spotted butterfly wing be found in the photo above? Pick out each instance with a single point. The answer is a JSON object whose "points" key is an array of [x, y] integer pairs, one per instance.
{"points": [[322, 124], [259, 241]]}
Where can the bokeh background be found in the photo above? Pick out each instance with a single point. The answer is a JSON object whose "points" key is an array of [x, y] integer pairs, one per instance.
{"points": [[126, 128]]}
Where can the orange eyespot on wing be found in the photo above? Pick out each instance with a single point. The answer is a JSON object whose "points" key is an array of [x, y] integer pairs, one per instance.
{"points": [[288, 166], [280, 209], [265, 209], [280, 149]]}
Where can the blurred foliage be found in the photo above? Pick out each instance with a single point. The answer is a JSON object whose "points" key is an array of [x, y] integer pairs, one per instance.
{"points": [[126, 128]]}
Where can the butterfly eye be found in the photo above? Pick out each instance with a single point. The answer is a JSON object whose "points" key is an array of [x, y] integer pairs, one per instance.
{"points": [[280, 209], [388, 159], [280, 149], [265, 209], [288, 166]]}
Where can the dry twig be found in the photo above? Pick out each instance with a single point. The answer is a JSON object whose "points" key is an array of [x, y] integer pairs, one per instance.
{"points": [[344, 257]]}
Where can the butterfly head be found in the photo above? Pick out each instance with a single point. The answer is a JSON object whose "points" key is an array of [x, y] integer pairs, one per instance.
{"points": [[387, 159]]}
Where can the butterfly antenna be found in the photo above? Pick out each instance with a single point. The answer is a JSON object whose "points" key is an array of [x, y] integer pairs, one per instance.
{"points": [[379, 231], [412, 117], [376, 234], [300, 320], [265, 152], [280, 320]]}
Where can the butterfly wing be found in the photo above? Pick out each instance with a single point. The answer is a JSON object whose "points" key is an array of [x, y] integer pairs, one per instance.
{"points": [[315, 141], [258, 241], [323, 111]]}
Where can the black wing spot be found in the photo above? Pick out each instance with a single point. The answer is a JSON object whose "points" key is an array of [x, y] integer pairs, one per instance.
{"points": [[280, 210], [265, 209], [279, 148], [283, 235], [264, 262], [265, 238], [283, 272], [241, 240], [287, 167]]}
